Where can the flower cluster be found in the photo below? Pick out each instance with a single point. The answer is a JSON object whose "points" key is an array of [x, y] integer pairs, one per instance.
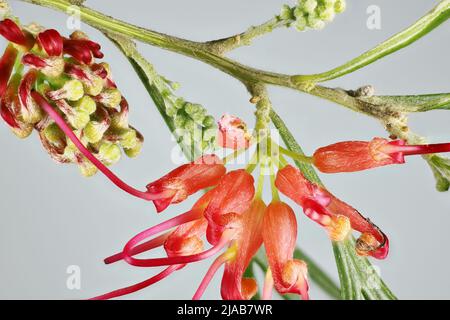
{"points": [[42, 67], [191, 120], [313, 14], [236, 222]]}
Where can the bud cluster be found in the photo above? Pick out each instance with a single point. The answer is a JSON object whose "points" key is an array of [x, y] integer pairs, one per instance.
{"points": [[191, 120], [312, 14], [80, 89]]}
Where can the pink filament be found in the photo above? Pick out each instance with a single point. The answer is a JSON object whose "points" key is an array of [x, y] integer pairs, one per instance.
{"points": [[422, 149], [209, 275], [157, 262], [108, 173], [146, 246], [139, 286]]}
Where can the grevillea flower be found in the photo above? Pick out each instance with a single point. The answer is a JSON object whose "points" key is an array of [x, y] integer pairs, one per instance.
{"points": [[280, 234], [233, 133], [352, 156], [231, 198], [187, 179], [240, 234], [245, 245], [335, 215]]}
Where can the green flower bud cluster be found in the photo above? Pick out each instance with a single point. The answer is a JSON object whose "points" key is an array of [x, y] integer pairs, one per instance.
{"points": [[195, 129], [311, 14]]}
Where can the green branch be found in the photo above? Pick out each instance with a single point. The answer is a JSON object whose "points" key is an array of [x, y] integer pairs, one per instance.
{"points": [[423, 26]]}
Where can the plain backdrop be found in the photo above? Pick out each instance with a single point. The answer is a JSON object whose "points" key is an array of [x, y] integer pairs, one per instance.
{"points": [[52, 218]]}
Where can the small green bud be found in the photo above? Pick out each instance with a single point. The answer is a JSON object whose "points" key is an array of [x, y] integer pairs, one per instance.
{"points": [[93, 87], [128, 138], [79, 119], [110, 98], [179, 103], [86, 104], [171, 111], [109, 153], [301, 24], [309, 6], [189, 125], [136, 150], [72, 90], [209, 121], [94, 131], [315, 22], [327, 14], [190, 108], [54, 134], [179, 121], [298, 12], [286, 13], [87, 169], [199, 116], [339, 6]]}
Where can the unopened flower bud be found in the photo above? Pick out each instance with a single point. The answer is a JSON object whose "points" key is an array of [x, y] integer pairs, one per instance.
{"points": [[209, 122], [72, 90], [286, 13], [87, 169], [92, 83], [109, 153], [300, 23], [128, 138], [314, 22], [77, 118], [86, 104], [327, 14], [136, 150], [94, 131], [309, 6], [339, 6], [110, 98], [54, 134]]}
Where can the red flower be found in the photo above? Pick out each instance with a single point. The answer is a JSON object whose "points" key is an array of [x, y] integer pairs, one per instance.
{"points": [[350, 156], [280, 235], [12, 32], [231, 198], [186, 180], [51, 41], [245, 245], [324, 208], [233, 133]]}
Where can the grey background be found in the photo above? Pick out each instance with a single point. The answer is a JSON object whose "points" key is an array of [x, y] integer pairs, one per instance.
{"points": [[51, 217]]}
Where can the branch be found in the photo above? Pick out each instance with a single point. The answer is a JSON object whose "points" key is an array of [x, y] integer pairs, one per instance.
{"points": [[423, 26], [200, 51], [245, 38]]}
